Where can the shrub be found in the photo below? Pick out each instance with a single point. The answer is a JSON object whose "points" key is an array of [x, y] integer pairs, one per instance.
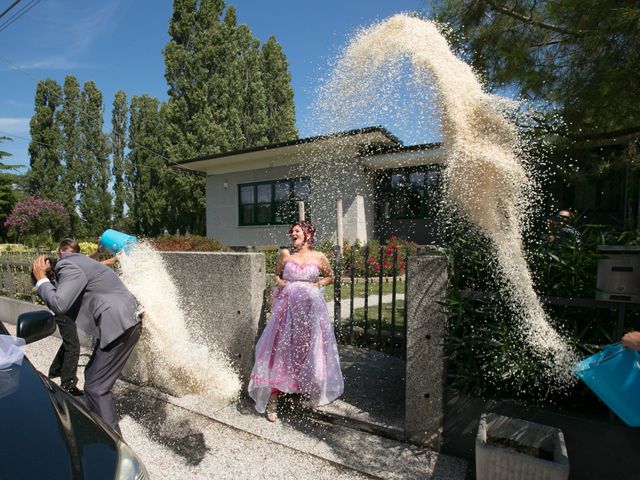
{"points": [[88, 248], [371, 253], [38, 220], [192, 243], [483, 346], [14, 248]]}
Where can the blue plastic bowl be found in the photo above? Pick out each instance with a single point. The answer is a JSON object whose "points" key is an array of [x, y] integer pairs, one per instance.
{"points": [[115, 241], [614, 376]]}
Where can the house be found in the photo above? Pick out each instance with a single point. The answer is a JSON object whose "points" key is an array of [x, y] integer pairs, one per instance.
{"points": [[386, 188]]}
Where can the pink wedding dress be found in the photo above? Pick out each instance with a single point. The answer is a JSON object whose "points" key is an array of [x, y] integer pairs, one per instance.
{"points": [[297, 352]]}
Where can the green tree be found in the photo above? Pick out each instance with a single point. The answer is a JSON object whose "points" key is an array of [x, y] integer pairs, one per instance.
{"points": [[69, 118], [46, 142], [203, 110], [217, 97], [281, 116], [252, 98], [579, 57], [122, 195], [145, 177], [8, 196], [94, 194]]}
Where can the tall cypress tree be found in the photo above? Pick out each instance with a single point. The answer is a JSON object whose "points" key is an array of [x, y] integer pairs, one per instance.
{"points": [[218, 97], [71, 148], [280, 110], [145, 177], [121, 194], [197, 59], [95, 197], [46, 142], [8, 196], [251, 87]]}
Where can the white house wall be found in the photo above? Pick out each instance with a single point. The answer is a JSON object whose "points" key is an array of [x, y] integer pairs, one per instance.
{"points": [[350, 185]]}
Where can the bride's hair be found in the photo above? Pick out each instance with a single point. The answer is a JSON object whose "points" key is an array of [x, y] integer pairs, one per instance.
{"points": [[309, 231]]}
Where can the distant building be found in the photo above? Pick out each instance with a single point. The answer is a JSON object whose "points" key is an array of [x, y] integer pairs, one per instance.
{"points": [[386, 188]]}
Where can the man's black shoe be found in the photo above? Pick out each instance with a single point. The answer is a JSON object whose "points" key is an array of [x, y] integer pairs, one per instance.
{"points": [[73, 390]]}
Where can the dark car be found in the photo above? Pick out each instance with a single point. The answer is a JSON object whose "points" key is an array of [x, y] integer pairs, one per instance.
{"points": [[48, 434]]}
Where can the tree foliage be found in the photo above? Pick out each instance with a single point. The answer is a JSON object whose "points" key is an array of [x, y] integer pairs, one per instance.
{"points": [[145, 176], [46, 142], [94, 175], [580, 57], [220, 98], [69, 120], [226, 93], [281, 116], [38, 219], [7, 180], [121, 166]]}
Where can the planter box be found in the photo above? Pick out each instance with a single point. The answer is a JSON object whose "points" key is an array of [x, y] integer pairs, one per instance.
{"points": [[499, 461]]}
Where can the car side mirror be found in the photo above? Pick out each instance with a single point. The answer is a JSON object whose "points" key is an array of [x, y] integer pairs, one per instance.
{"points": [[34, 326]]}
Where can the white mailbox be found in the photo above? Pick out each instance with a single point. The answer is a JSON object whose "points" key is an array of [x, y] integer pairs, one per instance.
{"points": [[619, 274]]}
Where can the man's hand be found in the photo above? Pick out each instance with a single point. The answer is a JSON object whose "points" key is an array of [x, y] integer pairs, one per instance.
{"points": [[39, 268], [631, 340]]}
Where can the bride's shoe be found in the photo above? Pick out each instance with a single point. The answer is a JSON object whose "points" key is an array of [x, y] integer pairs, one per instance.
{"points": [[272, 410]]}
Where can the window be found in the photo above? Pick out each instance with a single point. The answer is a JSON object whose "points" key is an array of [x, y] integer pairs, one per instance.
{"points": [[272, 203], [408, 193]]}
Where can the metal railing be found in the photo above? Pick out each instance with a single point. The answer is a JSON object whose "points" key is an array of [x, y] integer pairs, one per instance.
{"points": [[373, 282], [15, 276]]}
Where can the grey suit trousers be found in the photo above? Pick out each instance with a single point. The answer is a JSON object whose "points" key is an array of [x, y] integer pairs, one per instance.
{"points": [[103, 370]]}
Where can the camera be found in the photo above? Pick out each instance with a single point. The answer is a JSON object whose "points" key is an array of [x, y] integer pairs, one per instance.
{"points": [[50, 272]]}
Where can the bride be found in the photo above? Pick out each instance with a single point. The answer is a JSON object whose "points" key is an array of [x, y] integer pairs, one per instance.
{"points": [[297, 352]]}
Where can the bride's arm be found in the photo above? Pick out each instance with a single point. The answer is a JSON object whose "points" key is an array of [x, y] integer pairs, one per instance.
{"points": [[326, 271]]}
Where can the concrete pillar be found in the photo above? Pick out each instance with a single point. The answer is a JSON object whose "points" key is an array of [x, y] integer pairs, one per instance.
{"points": [[426, 286]]}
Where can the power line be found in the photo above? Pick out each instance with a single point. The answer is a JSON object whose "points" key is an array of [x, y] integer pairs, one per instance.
{"points": [[18, 14], [159, 155], [9, 8]]}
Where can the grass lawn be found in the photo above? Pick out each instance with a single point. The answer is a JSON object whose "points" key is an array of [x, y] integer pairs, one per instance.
{"points": [[358, 290]]}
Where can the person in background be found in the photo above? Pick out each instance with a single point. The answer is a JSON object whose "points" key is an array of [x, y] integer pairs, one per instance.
{"points": [[92, 295], [560, 226], [65, 363]]}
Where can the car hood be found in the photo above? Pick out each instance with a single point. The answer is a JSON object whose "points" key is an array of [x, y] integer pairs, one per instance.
{"points": [[48, 434]]}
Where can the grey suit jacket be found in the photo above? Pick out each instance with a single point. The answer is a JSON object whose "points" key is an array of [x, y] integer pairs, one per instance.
{"points": [[91, 294]]}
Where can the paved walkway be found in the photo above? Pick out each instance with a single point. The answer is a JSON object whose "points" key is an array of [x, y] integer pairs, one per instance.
{"points": [[358, 302], [195, 438]]}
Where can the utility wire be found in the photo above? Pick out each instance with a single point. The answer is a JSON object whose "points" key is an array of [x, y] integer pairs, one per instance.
{"points": [[9, 8], [18, 14], [159, 155]]}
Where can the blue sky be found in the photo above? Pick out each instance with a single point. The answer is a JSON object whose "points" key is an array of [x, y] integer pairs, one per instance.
{"points": [[118, 44]]}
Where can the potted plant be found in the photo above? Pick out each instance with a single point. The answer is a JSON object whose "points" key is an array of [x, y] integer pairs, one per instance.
{"points": [[514, 449]]}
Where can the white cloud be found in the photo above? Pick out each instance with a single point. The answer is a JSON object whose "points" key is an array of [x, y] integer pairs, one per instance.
{"points": [[54, 62], [73, 32], [14, 125]]}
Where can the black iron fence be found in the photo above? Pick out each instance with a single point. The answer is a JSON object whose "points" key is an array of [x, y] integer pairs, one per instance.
{"points": [[369, 296], [15, 276]]}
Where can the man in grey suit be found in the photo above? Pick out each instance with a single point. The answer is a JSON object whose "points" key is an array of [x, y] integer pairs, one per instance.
{"points": [[101, 305]]}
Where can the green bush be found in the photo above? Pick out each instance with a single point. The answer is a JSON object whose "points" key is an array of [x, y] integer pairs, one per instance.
{"points": [[486, 356], [192, 243]]}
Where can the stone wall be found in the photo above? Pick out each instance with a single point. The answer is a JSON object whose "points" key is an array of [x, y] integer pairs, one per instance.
{"points": [[222, 296]]}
